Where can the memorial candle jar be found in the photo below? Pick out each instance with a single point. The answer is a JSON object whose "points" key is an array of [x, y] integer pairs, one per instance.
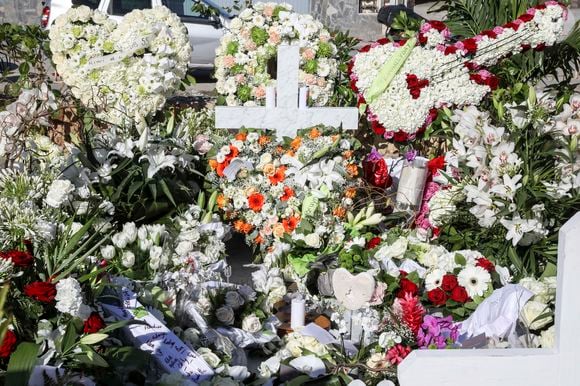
{"points": [[411, 185]]}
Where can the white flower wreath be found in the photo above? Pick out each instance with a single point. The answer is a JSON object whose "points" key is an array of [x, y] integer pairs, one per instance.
{"points": [[245, 51], [146, 53]]}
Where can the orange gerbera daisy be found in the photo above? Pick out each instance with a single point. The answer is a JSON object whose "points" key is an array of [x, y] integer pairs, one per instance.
{"points": [[221, 200], [234, 151], [339, 212], [296, 143], [290, 223], [213, 164], [288, 193], [314, 133], [263, 140], [352, 170], [221, 167], [256, 201], [279, 149], [279, 176], [241, 136], [350, 193]]}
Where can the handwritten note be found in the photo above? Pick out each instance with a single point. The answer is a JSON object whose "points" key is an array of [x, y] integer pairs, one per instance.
{"points": [[168, 350]]}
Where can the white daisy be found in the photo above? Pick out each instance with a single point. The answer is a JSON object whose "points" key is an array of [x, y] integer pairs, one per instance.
{"points": [[433, 279], [475, 280]]}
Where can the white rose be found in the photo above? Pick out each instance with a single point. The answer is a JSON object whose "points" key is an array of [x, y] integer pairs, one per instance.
{"points": [[238, 373], [251, 324], [539, 289], [108, 252], [128, 259], [312, 240], [234, 299], [531, 313], [208, 356], [184, 247], [269, 367], [548, 338], [58, 192], [225, 315], [396, 250]]}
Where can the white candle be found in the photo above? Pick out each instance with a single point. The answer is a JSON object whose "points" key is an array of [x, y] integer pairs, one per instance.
{"points": [[270, 97], [411, 185], [355, 326], [298, 313], [303, 99]]}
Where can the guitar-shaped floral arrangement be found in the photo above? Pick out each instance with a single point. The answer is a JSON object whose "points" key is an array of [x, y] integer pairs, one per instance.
{"points": [[401, 85]]}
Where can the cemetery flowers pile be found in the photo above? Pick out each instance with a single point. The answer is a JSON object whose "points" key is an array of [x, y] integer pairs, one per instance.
{"points": [[247, 50]]}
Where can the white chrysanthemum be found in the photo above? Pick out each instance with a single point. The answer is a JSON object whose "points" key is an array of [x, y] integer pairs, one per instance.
{"points": [[475, 280], [69, 299], [58, 192]]}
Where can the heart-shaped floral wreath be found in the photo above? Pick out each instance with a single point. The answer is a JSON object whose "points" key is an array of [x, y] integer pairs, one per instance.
{"points": [[124, 71]]}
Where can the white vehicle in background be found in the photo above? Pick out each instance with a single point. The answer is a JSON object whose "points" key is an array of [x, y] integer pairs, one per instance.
{"points": [[204, 31]]}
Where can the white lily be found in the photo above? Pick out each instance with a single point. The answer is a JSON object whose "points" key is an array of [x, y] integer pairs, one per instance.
{"points": [[157, 161]]}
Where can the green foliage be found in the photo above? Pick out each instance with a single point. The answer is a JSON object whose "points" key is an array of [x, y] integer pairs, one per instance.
{"points": [[467, 18], [343, 95], [21, 363], [404, 27], [22, 47]]}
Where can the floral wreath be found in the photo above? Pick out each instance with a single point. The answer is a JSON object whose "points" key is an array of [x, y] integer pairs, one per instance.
{"points": [[136, 82], [252, 40]]}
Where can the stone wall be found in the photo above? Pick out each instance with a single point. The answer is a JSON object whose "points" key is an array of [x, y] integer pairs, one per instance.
{"points": [[20, 11], [344, 15]]}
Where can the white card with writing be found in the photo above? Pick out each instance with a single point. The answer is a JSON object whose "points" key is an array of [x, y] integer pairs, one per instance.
{"points": [[170, 352]]}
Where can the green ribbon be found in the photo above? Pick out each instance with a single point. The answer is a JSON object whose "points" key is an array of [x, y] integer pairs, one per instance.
{"points": [[389, 70]]}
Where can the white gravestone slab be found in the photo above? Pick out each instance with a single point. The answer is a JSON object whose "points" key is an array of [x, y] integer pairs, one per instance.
{"points": [[286, 117], [168, 350], [515, 367]]}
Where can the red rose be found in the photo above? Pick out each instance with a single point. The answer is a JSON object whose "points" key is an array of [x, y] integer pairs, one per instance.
{"points": [[492, 82], [540, 47], [459, 294], [436, 164], [438, 25], [94, 323], [8, 344], [448, 283], [19, 258], [437, 296], [485, 264], [407, 287], [42, 291], [373, 243], [470, 45], [366, 48], [489, 33], [422, 38]]}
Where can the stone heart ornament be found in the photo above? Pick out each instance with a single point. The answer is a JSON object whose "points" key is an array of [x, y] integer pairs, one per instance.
{"points": [[124, 71], [353, 291]]}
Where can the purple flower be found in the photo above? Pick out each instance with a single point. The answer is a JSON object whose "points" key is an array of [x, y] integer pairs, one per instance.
{"points": [[437, 332], [374, 155], [411, 155]]}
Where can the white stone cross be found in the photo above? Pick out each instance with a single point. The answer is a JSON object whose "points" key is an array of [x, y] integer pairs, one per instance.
{"points": [[286, 117], [515, 367]]}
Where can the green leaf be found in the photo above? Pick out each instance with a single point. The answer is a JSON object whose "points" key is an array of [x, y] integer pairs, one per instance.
{"points": [[21, 363], [166, 191], [90, 357], [460, 259], [93, 338], [70, 337]]}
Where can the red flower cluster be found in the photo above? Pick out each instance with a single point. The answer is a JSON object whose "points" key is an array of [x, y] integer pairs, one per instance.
{"points": [[485, 264], [373, 243], [414, 84], [376, 172], [407, 288], [42, 291], [8, 344], [19, 258], [94, 324], [449, 289]]}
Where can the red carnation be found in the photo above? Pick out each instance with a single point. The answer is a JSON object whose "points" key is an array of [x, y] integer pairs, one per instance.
{"points": [[407, 287], [373, 243], [42, 291], [489, 33], [450, 50], [438, 25], [485, 264], [18, 258], [448, 283], [422, 38], [94, 323], [400, 136], [470, 45], [512, 25], [383, 41], [492, 82], [541, 6], [540, 47], [366, 48], [377, 127], [526, 17], [437, 296], [436, 164], [459, 294], [8, 344]]}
